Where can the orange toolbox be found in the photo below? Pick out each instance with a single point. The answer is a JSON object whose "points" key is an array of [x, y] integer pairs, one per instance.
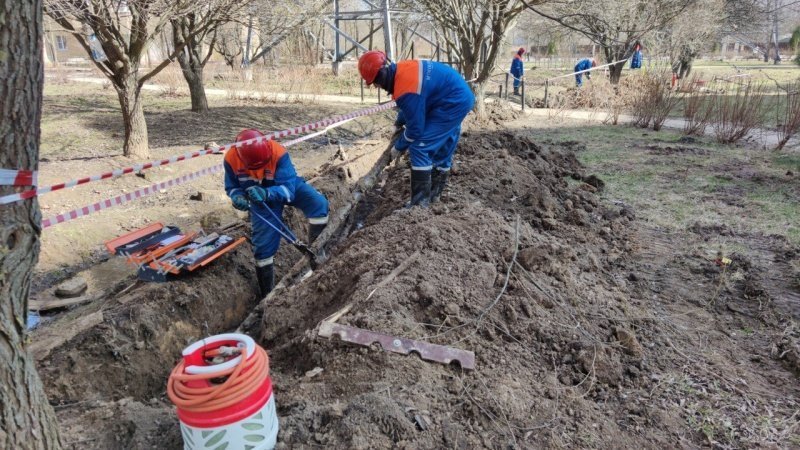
{"points": [[161, 252]]}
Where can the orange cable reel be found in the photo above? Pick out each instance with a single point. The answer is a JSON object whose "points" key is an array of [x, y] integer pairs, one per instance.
{"points": [[223, 394]]}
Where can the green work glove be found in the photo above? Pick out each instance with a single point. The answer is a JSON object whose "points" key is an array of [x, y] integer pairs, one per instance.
{"points": [[240, 202]]}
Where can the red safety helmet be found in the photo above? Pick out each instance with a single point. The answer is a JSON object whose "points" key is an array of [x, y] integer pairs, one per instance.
{"points": [[370, 64], [521, 51], [594, 63], [254, 155]]}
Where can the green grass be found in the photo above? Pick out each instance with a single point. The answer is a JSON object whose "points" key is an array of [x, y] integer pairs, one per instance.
{"points": [[746, 190]]}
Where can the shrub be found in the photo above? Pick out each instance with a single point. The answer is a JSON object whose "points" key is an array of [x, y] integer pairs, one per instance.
{"points": [[737, 112], [697, 108], [788, 114]]}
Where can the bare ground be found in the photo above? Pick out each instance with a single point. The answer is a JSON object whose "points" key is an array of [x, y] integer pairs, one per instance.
{"points": [[591, 327]]}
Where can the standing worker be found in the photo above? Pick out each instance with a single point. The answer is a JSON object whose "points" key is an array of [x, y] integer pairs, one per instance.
{"points": [[584, 64], [260, 175], [636, 59], [517, 69], [433, 100]]}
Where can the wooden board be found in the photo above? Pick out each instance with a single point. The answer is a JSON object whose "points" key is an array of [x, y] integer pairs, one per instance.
{"points": [[49, 302]]}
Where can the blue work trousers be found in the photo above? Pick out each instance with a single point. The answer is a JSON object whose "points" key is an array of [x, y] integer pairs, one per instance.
{"points": [[266, 240]]}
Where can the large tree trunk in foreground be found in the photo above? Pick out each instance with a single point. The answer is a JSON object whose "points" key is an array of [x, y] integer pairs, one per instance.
{"points": [[130, 102], [26, 418]]}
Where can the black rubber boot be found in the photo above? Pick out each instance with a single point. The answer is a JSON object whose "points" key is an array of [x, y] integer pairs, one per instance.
{"points": [[420, 188], [266, 279], [516, 90], [439, 181], [314, 230]]}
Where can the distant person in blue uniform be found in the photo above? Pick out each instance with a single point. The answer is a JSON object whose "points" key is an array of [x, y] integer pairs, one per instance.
{"points": [[584, 64], [517, 69], [636, 59]]}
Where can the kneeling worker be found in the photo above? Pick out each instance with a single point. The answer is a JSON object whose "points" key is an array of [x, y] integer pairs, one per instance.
{"points": [[260, 175], [433, 100]]}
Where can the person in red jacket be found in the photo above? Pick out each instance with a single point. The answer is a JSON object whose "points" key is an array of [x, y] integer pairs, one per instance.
{"points": [[258, 175]]}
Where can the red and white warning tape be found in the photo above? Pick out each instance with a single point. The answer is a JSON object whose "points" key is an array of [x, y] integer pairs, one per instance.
{"points": [[176, 158], [120, 199], [139, 193], [11, 177]]}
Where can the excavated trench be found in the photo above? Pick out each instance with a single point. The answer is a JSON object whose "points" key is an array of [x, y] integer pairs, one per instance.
{"points": [[568, 350]]}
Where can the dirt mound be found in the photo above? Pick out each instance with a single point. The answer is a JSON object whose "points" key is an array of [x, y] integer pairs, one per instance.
{"points": [[551, 312]]}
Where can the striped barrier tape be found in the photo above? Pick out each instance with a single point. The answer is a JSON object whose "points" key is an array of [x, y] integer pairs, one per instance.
{"points": [[176, 158], [139, 193], [120, 199], [12, 177]]}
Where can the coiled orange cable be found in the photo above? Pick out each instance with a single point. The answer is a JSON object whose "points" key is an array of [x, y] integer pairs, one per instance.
{"points": [[242, 380]]}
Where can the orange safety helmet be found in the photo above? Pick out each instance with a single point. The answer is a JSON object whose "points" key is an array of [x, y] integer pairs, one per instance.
{"points": [[254, 155], [370, 64]]}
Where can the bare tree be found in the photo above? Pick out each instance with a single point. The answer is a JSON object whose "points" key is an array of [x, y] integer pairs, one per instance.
{"points": [[474, 31], [228, 43], [689, 34], [26, 418], [195, 54], [277, 20], [125, 30], [615, 25]]}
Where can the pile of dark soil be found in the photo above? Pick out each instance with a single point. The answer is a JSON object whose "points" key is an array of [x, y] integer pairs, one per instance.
{"points": [[589, 328], [588, 331], [549, 350]]}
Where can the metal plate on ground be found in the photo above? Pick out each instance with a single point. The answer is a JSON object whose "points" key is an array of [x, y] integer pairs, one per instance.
{"points": [[426, 350]]}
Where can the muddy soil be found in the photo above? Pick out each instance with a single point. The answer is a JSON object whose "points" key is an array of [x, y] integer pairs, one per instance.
{"points": [[590, 329], [605, 333], [105, 364]]}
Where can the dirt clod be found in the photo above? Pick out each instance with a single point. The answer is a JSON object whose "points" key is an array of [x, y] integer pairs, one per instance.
{"points": [[71, 288]]}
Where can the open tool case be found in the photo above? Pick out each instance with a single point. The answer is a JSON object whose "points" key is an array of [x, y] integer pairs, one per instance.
{"points": [[161, 252]]}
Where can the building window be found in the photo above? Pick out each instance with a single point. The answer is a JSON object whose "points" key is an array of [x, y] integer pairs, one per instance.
{"points": [[61, 43]]}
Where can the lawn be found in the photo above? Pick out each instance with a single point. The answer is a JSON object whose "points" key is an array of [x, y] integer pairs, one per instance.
{"points": [[675, 183]]}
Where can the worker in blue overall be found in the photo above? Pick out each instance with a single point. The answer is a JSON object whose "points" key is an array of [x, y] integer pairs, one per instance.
{"points": [[433, 100], [636, 59], [258, 175], [517, 69], [584, 64]]}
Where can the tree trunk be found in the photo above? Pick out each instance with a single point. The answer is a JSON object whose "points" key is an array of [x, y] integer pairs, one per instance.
{"points": [[26, 418], [615, 72], [479, 89], [136, 145], [193, 73]]}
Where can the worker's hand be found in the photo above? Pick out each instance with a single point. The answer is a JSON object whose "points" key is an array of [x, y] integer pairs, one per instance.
{"points": [[257, 194], [240, 202], [394, 154]]}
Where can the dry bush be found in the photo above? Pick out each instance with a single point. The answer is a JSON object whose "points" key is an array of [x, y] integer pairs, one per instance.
{"points": [[652, 98], [170, 80], [698, 108], [788, 114], [738, 112]]}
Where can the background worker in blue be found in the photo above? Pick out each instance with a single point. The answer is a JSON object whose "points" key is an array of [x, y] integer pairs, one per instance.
{"points": [[636, 59], [260, 175], [517, 69], [433, 100], [584, 64]]}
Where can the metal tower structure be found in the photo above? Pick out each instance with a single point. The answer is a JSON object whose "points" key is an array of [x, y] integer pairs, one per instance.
{"points": [[379, 15]]}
